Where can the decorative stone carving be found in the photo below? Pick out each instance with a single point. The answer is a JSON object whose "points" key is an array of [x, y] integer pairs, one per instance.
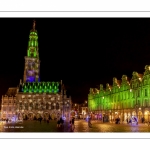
{"points": [[101, 87], [115, 81]]}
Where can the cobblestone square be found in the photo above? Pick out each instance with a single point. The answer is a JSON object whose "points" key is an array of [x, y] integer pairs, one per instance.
{"points": [[80, 126]]}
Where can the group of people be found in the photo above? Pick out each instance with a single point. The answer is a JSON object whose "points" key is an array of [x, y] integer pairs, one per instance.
{"points": [[132, 120], [117, 120], [71, 123], [60, 122], [5, 120], [72, 126]]}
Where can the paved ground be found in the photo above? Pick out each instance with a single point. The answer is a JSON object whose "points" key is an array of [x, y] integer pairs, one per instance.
{"points": [[80, 126], [97, 126], [33, 126]]}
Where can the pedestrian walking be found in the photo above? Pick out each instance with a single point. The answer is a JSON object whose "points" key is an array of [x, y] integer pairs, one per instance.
{"points": [[40, 119], [58, 123], [7, 120], [61, 121], [89, 122], [72, 124], [47, 121]]}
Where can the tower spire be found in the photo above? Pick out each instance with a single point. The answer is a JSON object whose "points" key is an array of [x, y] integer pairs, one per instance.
{"points": [[32, 62], [34, 23]]}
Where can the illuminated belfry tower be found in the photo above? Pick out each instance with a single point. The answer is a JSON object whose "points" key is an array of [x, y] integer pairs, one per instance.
{"points": [[32, 62]]}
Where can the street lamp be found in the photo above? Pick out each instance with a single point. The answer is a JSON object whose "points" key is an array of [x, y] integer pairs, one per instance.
{"points": [[63, 102]]}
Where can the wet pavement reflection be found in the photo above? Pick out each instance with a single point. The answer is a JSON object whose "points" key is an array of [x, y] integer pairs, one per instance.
{"points": [[80, 126]]}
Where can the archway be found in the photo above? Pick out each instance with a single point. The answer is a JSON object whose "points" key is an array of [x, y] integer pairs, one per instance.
{"points": [[38, 115], [46, 115], [140, 115], [53, 116], [133, 113], [52, 106], [129, 115], [146, 115], [125, 116], [47, 106], [20, 116], [116, 115], [30, 116], [110, 117]]}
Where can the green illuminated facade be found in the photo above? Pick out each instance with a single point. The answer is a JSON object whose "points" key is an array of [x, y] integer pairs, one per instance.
{"points": [[124, 99], [41, 87], [32, 62]]}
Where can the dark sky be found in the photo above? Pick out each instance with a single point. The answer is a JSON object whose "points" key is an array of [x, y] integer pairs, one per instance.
{"points": [[83, 52]]}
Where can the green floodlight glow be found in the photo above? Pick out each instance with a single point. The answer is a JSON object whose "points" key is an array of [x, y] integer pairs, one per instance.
{"points": [[55, 89], [35, 89], [40, 89], [30, 89], [45, 89], [28, 53], [34, 54], [52, 83]]}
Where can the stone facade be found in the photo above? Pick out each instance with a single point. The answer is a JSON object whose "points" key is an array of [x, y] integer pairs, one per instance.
{"points": [[33, 105], [124, 99]]}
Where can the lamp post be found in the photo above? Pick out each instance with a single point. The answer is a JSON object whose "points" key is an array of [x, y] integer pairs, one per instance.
{"points": [[63, 102]]}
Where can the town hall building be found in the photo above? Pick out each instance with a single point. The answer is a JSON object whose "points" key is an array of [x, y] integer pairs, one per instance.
{"points": [[32, 98]]}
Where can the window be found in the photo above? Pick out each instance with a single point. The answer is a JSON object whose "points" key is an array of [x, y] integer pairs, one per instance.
{"points": [[138, 93], [145, 92], [133, 103], [146, 103], [129, 104], [138, 102], [128, 95]]}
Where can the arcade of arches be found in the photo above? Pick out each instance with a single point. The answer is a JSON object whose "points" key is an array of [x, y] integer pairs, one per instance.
{"points": [[32, 106]]}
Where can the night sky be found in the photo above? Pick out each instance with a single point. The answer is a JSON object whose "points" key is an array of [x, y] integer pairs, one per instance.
{"points": [[83, 52]]}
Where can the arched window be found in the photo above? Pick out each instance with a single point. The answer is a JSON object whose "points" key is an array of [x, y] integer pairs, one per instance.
{"points": [[20, 105], [144, 82], [26, 106], [47, 105], [36, 106], [57, 106], [52, 106], [31, 105]]}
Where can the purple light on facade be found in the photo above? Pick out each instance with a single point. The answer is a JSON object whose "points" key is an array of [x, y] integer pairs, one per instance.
{"points": [[31, 79]]}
